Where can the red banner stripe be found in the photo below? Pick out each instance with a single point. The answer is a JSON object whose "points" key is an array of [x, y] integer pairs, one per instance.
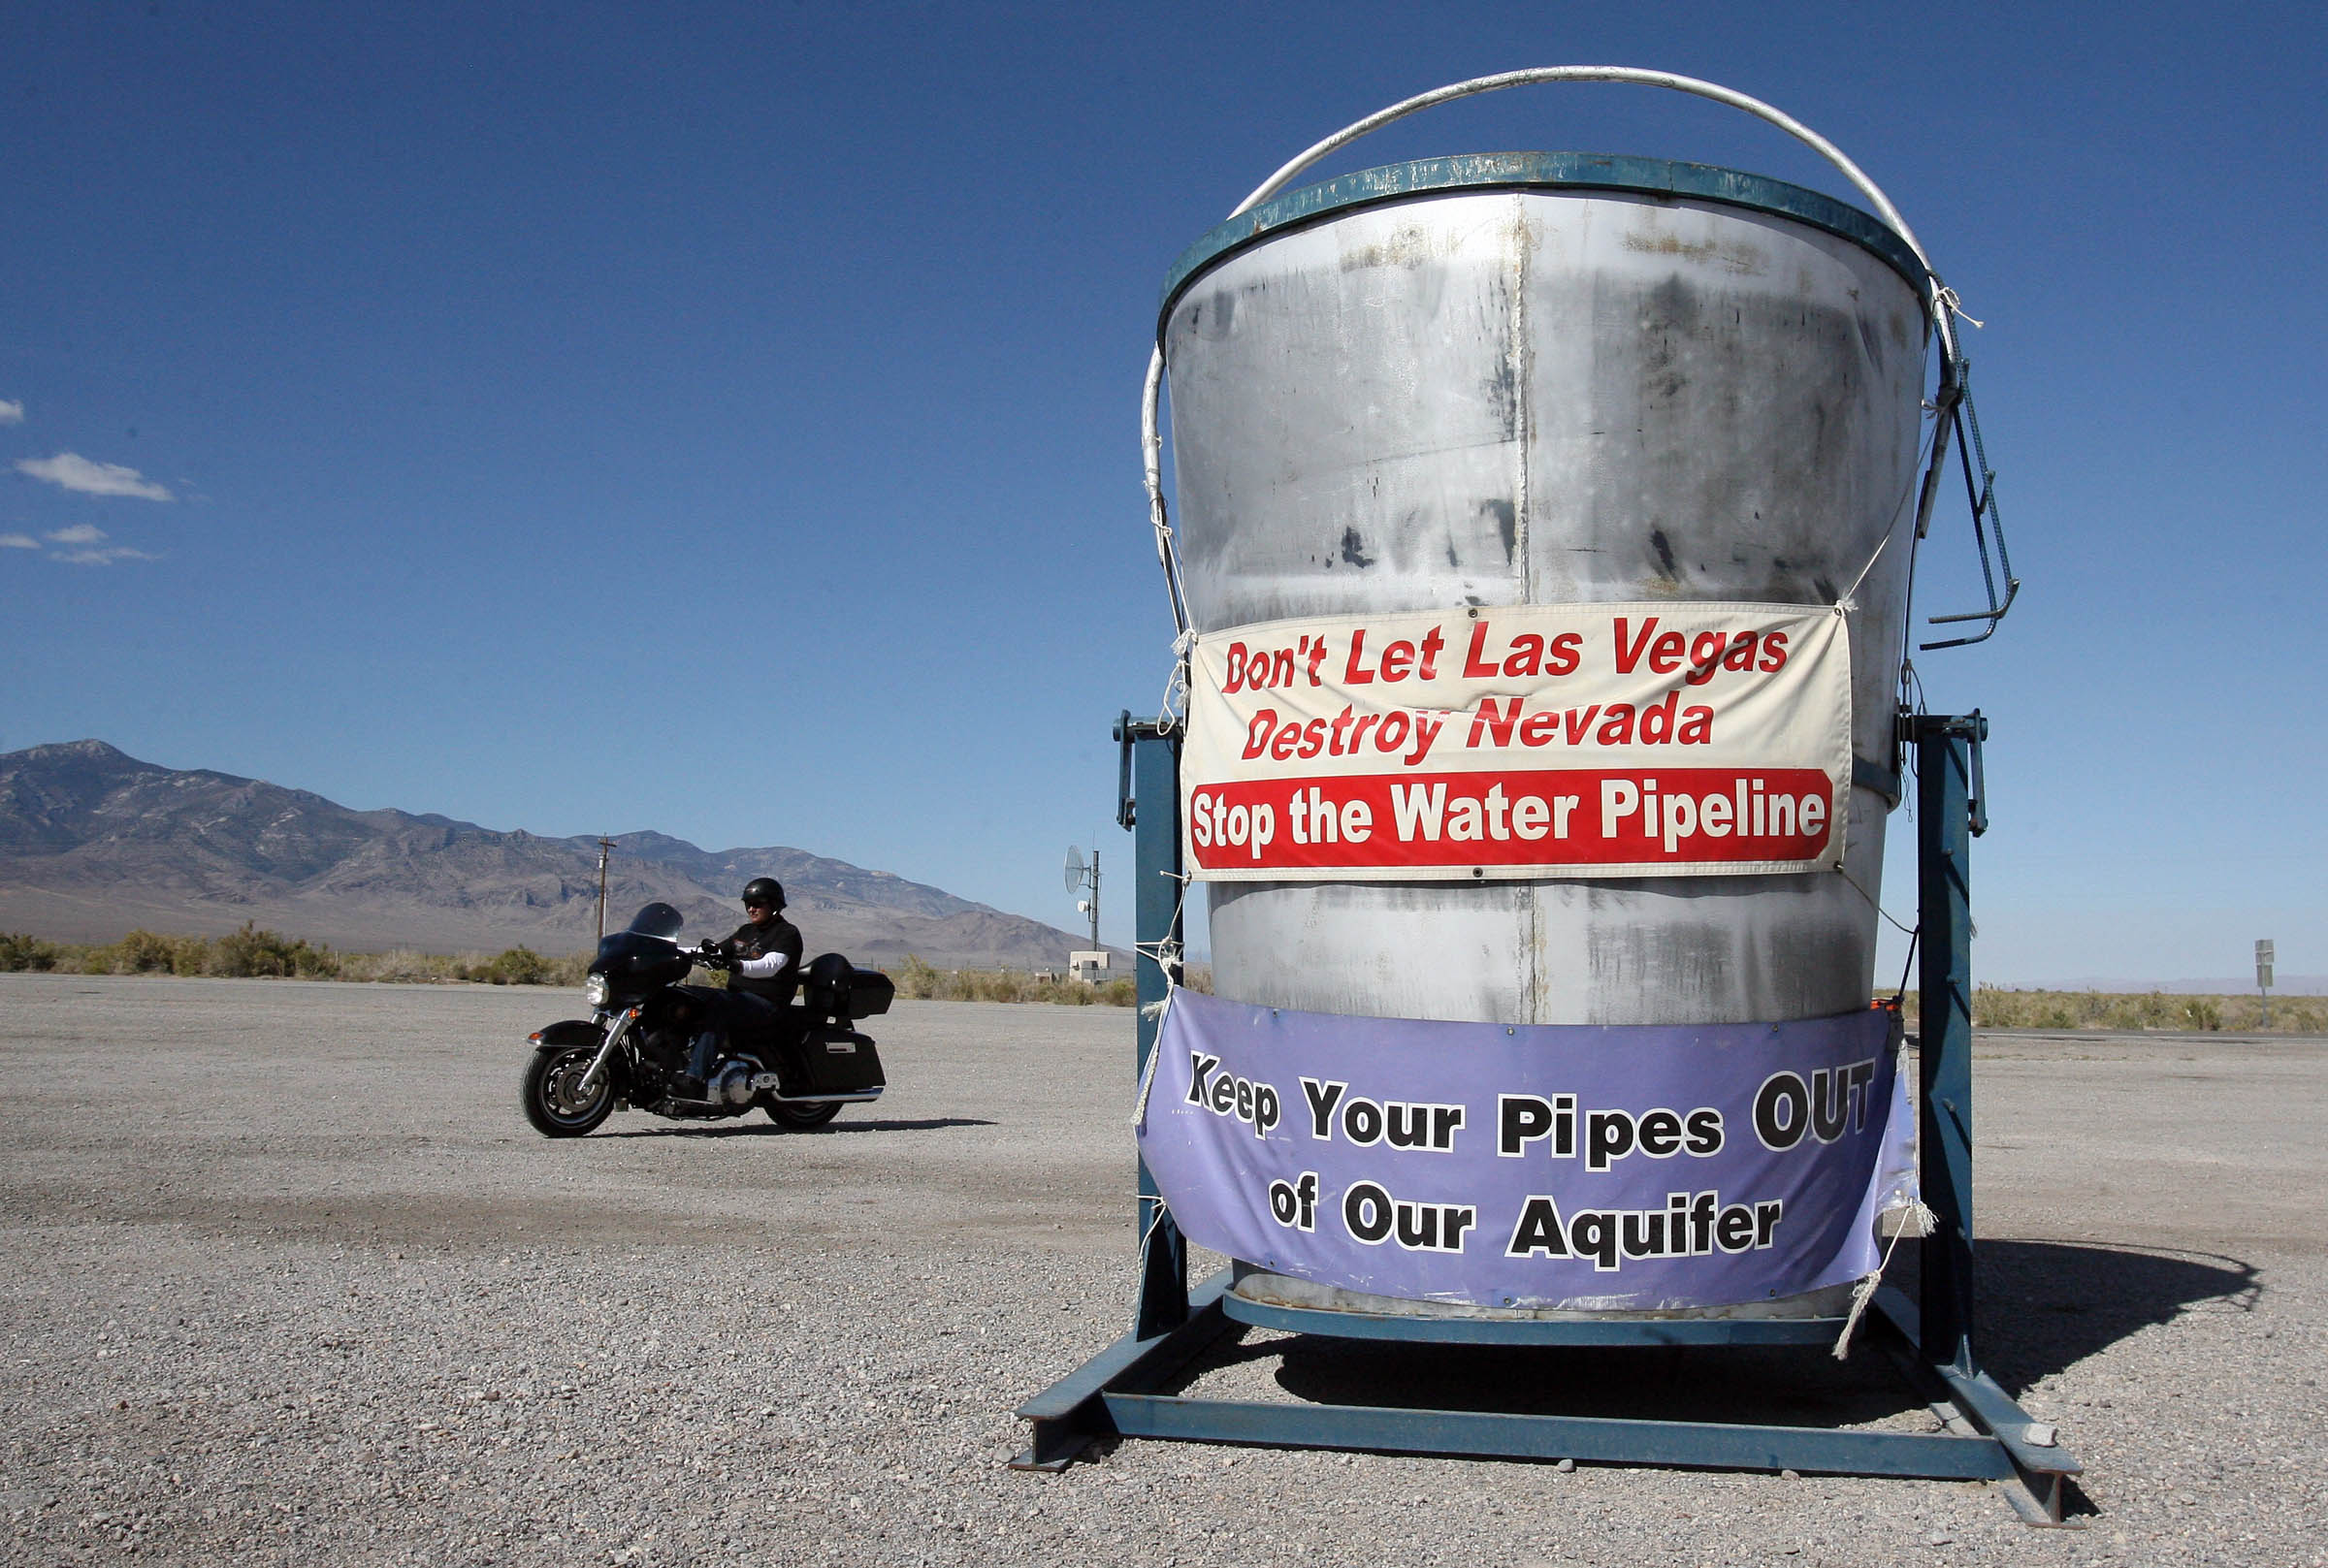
{"points": [[1555, 818]]}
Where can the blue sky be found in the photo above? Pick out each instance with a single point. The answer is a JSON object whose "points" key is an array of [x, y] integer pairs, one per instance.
{"points": [[724, 419]]}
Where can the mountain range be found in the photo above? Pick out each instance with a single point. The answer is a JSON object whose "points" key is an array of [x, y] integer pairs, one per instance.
{"points": [[94, 843]]}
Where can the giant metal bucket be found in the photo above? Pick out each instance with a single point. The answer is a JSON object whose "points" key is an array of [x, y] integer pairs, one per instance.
{"points": [[1549, 438], [1531, 380]]}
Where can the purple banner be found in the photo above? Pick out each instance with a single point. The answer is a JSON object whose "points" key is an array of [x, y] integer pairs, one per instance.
{"points": [[1609, 1167]]}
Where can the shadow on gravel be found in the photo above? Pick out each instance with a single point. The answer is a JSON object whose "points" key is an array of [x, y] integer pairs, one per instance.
{"points": [[2044, 1306], [924, 1124], [1786, 1385]]}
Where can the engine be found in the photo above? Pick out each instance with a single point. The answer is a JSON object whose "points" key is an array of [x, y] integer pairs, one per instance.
{"points": [[737, 1083]]}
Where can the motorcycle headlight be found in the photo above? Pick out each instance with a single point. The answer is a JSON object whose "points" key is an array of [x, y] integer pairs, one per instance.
{"points": [[596, 990]]}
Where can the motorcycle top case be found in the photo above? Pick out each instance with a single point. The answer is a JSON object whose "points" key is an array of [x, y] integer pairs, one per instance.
{"points": [[836, 988], [840, 1062]]}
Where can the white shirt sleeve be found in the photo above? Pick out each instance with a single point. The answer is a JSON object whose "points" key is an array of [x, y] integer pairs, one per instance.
{"points": [[763, 968]]}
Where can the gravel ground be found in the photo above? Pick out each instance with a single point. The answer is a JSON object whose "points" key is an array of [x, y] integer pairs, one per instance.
{"points": [[286, 1278]]}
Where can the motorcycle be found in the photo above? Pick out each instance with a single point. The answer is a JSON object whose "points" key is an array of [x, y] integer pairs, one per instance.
{"points": [[801, 1069]]}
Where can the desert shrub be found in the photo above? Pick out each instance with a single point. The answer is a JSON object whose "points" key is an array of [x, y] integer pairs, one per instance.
{"points": [[141, 952], [514, 966], [74, 958], [2289, 1014], [993, 986], [914, 978], [250, 952], [523, 966], [1995, 1008], [22, 951], [2058, 1010], [401, 964], [920, 980]]}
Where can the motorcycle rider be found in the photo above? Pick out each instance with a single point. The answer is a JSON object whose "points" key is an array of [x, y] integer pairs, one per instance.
{"points": [[762, 957], [766, 948]]}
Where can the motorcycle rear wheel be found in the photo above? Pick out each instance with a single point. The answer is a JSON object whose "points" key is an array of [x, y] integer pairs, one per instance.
{"points": [[800, 1118], [550, 1088]]}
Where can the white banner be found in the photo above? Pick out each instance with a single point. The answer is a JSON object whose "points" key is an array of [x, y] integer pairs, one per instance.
{"points": [[1608, 740]]}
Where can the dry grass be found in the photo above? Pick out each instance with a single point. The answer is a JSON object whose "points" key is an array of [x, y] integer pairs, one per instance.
{"points": [[1998, 1008], [252, 952], [264, 953], [923, 981]]}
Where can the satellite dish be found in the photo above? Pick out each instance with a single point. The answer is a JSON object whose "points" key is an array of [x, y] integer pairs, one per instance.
{"points": [[1075, 869]]}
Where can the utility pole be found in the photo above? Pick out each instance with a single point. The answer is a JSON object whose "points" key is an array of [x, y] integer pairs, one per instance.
{"points": [[605, 845]]}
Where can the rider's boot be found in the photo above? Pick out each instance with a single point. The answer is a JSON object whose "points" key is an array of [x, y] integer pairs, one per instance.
{"points": [[702, 1059]]}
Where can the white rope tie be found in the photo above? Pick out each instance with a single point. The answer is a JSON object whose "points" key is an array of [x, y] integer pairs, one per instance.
{"points": [[1176, 684], [1162, 1211], [1849, 603], [1907, 501], [1148, 1079], [1953, 303], [1166, 952], [1919, 1219]]}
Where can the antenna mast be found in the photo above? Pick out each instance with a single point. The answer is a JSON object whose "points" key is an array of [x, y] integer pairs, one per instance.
{"points": [[1084, 878]]}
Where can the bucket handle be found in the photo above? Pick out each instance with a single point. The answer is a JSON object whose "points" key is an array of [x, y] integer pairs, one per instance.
{"points": [[1596, 73], [1942, 301]]}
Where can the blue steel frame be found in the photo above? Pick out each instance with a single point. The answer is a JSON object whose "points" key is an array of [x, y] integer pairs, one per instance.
{"points": [[1988, 1437]]}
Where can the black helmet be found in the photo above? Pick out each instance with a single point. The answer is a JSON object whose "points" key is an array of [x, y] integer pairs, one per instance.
{"points": [[765, 891]]}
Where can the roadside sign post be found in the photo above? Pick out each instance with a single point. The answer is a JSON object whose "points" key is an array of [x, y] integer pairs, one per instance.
{"points": [[2265, 956]]}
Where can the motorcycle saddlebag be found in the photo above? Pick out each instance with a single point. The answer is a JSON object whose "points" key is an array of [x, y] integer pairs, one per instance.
{"points": [[840, 1062], [836, 988]]}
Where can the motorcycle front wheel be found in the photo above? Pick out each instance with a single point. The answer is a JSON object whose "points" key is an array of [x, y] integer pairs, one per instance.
{"points": [[551, 1090], [800, 1118]]}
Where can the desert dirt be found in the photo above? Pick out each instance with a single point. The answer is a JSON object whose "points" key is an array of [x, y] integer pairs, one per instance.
{"points": [[287, 1278]]}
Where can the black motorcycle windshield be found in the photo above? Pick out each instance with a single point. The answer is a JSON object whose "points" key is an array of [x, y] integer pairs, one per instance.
{"points": [[657, 920]]}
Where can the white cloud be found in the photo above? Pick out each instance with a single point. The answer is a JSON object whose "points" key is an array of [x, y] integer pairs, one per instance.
{"points": [[10, 413], [101, 557], [75, 472], [86, 546], [19, 541]]}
